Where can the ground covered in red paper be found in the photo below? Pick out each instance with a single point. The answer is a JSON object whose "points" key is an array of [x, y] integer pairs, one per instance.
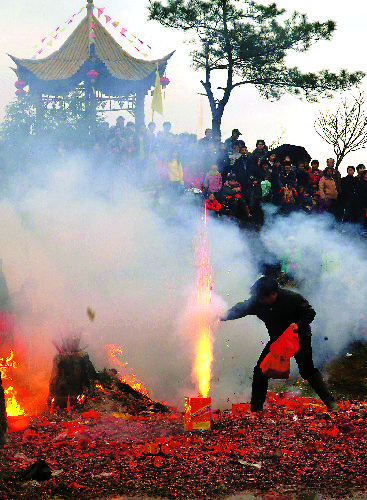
{"points": [[292, 444]]}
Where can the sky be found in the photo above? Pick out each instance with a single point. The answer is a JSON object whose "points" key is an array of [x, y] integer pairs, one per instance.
{"points": [[24, 25]]}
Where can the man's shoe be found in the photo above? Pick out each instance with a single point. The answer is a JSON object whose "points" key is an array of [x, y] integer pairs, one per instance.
{"points": [[255, 409]]}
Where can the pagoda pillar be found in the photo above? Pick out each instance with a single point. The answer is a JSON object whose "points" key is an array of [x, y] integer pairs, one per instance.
{"points": [[139, 108]]}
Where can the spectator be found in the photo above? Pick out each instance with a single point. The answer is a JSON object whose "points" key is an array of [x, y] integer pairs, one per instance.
{"points": [[231, 141], [349, 196], [302, 176], [265, 174], [254, 198], [213, 180], [203, 143], [315, 175], [275, 181], [288, 196], [213, 204], [231, 197], [193, 175], [360, 169], [175, 172], [362, 199], [328, 191], [240, 168], [287, 173], [222, 160], [259, 153], [303, 199], [234, 155]]}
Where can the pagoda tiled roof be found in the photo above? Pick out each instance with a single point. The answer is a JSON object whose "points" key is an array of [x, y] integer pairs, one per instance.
{"points": [[68, 59]]}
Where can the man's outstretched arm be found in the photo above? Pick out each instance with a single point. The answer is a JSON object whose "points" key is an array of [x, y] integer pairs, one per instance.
{"points": [[239, 310]]}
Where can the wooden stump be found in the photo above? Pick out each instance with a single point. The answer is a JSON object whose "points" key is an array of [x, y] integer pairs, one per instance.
{"points": [[72, 374]]}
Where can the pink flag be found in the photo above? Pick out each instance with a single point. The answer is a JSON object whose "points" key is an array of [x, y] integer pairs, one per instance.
{"points": [[100, 11], [43, 39], [40, 51], [123, 30], [108, 19], [115, 24]]}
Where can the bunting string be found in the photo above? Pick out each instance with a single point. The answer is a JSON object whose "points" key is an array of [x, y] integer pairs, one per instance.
{"points": [[55, 35], [136, 42]]}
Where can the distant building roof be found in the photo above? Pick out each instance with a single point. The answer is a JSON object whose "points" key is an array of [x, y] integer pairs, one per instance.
{"points": [[75, 58]]}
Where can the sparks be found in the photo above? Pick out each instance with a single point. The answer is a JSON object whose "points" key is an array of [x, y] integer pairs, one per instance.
{"points": [[203, 344]]}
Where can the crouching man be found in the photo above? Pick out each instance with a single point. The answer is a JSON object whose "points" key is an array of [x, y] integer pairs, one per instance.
{"points": [[278, 308]]}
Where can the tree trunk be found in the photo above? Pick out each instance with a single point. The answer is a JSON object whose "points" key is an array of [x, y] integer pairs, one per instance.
{"points": [[216, 122]]}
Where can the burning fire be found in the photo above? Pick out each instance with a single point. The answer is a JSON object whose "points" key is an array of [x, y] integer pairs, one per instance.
{"points": [[203, 346], [13, 408], [114, 352]]}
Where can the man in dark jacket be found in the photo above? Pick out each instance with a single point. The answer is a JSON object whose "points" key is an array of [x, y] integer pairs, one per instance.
{"points": [[349, 195], [278, 309]]}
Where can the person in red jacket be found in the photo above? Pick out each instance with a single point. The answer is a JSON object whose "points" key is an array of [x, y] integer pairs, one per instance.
{"points": [[212, 203]]}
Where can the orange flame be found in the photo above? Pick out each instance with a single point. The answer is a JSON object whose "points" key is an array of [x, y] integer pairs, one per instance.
{"points": [[113, 353], [13, 408], [204, 345]]}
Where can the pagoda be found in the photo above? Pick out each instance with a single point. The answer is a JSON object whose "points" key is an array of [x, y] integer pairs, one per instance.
{"points": [[91, 59]]}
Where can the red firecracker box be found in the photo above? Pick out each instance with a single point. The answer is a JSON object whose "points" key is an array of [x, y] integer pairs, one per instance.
{"points": [[239, 409], [197, 413]]}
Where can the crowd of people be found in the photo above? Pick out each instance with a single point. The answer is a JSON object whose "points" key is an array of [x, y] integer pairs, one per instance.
{"points": [[232, 180]]}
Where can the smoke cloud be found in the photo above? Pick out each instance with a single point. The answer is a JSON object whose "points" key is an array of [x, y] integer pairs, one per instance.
{"points": [[73, 240]]}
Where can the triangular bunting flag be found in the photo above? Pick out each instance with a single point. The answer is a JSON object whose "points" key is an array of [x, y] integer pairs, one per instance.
{"points": [[43, 39], [100, 11], [115, 24], [108, 19], [49, 43], [123, 30]]}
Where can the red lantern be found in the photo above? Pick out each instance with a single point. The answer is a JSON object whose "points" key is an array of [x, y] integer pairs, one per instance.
{"points": [[20, 84], [92, 75], [164, 81]]}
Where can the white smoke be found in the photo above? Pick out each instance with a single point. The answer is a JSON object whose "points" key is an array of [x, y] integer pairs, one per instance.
{"points": [[72, 240]]}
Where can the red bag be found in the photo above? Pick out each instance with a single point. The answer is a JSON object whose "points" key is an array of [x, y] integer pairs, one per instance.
{"points": [[276, 363]]}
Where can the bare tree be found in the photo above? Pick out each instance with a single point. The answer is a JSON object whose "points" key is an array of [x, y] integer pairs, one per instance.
{"points": [[346, 129]]}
